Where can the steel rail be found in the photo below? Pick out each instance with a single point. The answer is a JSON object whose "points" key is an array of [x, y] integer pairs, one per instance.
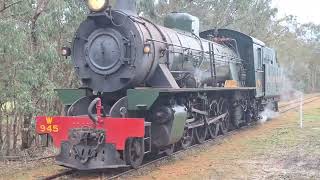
{"points": [[297, 101], [61, 174], [298, 104], [178, 152]]}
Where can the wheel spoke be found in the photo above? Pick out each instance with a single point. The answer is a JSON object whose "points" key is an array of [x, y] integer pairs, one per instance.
{"points": [[212, 130], [200, 134]]}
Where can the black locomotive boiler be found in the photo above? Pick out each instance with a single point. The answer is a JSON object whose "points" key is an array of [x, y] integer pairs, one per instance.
{"points": [[150, 89]]}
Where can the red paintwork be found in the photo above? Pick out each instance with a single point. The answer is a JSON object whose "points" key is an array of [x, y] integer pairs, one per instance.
{"points": [[118, 130], [99, 107]]}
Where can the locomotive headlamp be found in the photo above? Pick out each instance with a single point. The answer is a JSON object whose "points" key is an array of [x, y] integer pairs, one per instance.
{"points": [[97, 5]]}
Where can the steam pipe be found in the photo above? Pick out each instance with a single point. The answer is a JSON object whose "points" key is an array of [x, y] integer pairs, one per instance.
{"points": [[95, 102], [127, 6]]}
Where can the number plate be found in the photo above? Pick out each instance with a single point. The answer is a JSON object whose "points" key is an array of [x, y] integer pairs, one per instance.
{"points": [[50, 127]]}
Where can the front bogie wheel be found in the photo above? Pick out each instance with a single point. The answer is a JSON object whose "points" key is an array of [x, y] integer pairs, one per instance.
{"points": [[134, 152], [169, 150], [187, 138]]}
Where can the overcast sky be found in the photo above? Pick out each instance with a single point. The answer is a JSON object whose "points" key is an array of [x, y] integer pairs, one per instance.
{"points": [[305, 10]]}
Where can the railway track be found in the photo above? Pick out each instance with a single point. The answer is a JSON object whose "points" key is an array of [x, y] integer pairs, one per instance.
{"points": [[290, 103], [296, 103], [59, 175], [283, 109], [214, 141]]}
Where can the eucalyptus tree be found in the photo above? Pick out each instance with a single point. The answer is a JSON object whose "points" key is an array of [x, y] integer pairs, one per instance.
{"points": [[30, 64]]}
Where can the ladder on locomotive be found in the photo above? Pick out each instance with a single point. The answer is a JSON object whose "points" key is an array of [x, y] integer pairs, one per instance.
{"points": [[147, 138], [212, 65]]}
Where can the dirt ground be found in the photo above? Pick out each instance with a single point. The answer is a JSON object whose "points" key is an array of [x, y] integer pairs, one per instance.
{"points": [[277, 149]]}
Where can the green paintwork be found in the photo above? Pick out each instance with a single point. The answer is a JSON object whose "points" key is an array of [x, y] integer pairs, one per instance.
{"points": [[69, 96], [273, 80], [273, 73], [178, 124], [269, 74], [259, 69], [182, 21], [141, 99]]}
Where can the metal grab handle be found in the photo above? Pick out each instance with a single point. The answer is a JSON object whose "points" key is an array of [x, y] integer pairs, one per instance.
{"points": [[90, 108]]}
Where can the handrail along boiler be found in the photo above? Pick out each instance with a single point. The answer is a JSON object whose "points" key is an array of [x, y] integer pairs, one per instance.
{"points": [[150, 89]]}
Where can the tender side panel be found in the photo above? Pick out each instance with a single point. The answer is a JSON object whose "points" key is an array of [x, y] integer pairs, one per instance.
{"points": [[272, 81], [272, 73]]}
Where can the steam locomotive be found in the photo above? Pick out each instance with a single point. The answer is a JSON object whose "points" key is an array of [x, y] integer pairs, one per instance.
{"points": [[149, 89]]}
